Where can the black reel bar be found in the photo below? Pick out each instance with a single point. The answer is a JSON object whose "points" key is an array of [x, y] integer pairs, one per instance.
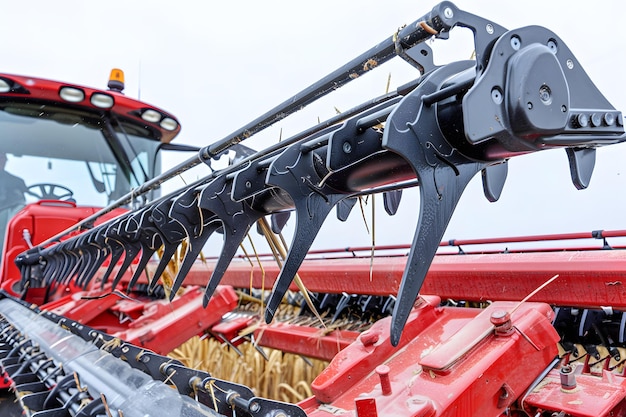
{"points": [[525, 92]]}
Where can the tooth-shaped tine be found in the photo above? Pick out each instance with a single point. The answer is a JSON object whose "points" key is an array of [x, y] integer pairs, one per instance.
{"points": [[70, 261], [232, 240], [436, 209], [149, 239], [168, 251], [94, 244], [391, 201], [146, 254], [581, 164], [279, 220], [312, 202], [494, 177], [195, 221], [93, 269], [131, 248], [96, 252], [51, 264], [344, 207], [72, 256], [131, 252], [308, 224], [236, 218], [412, 131], [54, 263], [117, 250], [172, 233], [195, 247]]}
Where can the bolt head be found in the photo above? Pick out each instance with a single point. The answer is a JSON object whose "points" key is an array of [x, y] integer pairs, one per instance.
{"points": [[500, 317]]}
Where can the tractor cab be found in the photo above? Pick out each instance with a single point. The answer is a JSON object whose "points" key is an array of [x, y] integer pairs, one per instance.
{"points": [[68, 150]]}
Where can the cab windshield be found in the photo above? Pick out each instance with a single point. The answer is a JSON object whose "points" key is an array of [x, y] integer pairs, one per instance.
{"points": [[94, 157], [52, 152]]}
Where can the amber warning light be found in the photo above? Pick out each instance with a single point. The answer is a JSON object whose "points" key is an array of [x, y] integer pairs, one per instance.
{"points": [[116, 80]]}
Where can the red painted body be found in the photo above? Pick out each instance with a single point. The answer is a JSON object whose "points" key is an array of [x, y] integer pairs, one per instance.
{"points": [[586, 278], [39, 89], [153, 324], [450, 362], [593, 395], [41, 220], [313, 342]]}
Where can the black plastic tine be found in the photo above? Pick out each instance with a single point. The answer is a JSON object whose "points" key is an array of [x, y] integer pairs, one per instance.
{"points": [[71, 262], [168, 251], [103, 253], [117, 251], [132, 249], [146, 254], [307, 227], [149, 239], [236, 218], [92, 269], [344, 207], [98, 251], [391, 201], [428, 235], [128, 239], [232, 240], [51, 265], [413, 132], [312, 203], [59, 260], [172, 234], [84, 244], [199, 225], [195, 247]]}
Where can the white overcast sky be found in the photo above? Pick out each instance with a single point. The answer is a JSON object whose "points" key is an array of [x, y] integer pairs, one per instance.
{"points": [[219, 65]]}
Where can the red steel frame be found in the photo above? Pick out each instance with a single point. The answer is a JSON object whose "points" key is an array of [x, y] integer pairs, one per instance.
{"points": [[589, 279]]}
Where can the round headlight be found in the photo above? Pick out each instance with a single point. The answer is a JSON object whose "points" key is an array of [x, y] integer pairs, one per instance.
{"points": [[71, 94]]}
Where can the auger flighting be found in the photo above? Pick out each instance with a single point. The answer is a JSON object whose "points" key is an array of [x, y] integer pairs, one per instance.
{"points": [[525, 92]]}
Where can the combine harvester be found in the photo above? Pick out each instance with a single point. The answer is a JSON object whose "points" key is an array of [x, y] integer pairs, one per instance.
{"points": [[92, 299]]}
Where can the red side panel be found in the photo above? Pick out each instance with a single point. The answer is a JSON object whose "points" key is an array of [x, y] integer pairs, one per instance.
{"points": [[41, 220], [455, 363]]}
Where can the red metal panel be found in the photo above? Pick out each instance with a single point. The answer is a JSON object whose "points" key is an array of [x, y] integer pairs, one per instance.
{"points": [[83, 306], [302, 340], [593, 396], [168, 325], [493, 369], [586, 278], [127, 107], [42, 220]]}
